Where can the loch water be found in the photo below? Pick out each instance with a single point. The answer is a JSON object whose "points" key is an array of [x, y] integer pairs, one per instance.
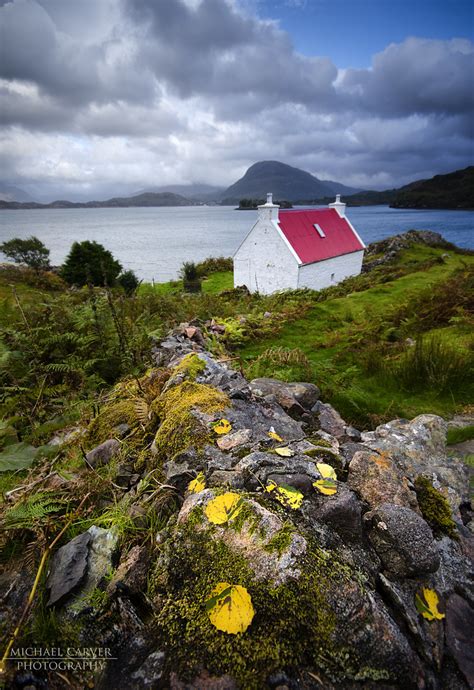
{"points": [[154, 242]]}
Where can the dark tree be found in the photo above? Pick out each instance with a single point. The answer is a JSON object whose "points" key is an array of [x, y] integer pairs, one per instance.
{"points": [[31, 252], [129, 281], [90, 263]]}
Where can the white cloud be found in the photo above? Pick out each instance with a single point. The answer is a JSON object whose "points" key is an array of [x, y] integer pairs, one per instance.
{"points": [[135, 93]]}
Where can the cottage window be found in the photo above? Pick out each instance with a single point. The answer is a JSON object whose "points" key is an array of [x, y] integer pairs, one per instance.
{"points": [[319, 230]]}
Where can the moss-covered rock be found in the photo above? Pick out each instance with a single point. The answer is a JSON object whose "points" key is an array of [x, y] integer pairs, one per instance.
{"points": [[181, 426], [322, 619], [434, 507]]}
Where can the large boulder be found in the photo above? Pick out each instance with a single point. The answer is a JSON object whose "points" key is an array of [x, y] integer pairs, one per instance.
{"points": [[418, 447]]}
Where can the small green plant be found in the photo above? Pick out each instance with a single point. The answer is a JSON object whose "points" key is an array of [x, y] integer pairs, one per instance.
{"points": [[433, 364], [128, 281], [459, 434], [282, 363], [190, 277]]}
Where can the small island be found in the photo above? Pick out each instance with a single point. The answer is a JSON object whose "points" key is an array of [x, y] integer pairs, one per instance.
{"points": [[253, 204]]}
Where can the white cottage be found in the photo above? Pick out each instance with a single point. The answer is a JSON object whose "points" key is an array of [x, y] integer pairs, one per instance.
{"points": [[298, 249]]}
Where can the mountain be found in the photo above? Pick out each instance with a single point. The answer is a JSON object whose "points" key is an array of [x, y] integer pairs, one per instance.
{"points": [[196, 192], [284, 181], [10, 193], [140, 200], [451, 191], [454, 190]]}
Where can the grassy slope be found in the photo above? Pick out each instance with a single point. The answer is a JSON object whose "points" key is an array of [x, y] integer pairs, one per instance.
{"points": [[324, 332], [211, 285]]}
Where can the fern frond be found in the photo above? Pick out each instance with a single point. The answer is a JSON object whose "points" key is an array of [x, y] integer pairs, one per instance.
{"points": [[32, 511]]}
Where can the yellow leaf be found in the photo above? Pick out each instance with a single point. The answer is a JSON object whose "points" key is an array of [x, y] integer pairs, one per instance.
{"points": [[328, 487], [326, 471], [273, 434], [285, 452], [230, 608], [287, 495], [198, 484], [223, 508], [223, 426], [429, 606]]}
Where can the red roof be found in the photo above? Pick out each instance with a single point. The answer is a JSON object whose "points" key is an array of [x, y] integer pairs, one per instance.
{"points": [[298, 228]]}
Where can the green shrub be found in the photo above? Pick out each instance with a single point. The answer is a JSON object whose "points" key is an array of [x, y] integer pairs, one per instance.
{"points": [[213, 264], [128, 281], [31, 252], [89, 263]]}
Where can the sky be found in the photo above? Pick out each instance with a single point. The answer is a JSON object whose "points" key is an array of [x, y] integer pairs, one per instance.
{"points": [[103, 97]]}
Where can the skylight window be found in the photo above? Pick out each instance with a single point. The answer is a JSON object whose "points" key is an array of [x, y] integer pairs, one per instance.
{"points": [[319, 230]]}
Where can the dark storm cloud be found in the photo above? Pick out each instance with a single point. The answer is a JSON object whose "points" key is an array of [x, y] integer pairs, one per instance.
{"points": [[416, 76], [183, 90], [240, 64], [62, 64]]}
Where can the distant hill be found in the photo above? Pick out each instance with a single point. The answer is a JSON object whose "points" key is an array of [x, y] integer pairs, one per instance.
{"points": [[9, 192], [454, 190], [140, 200], [284, 181], [451, 191], [196, 192]]}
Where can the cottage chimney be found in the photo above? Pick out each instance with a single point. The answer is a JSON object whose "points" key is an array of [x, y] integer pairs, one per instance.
{"points": [[268, 211], [339, 205]]}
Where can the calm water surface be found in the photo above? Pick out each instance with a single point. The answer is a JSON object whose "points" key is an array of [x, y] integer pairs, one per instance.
{"points": [[154, 242]]}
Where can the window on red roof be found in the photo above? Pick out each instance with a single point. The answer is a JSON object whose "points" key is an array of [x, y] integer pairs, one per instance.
{"points": [[320, 231]]}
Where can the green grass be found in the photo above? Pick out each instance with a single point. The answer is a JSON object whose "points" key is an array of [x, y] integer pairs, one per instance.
{"points": [[211, 285], [218, 282], [340, 336], [458, 435]]}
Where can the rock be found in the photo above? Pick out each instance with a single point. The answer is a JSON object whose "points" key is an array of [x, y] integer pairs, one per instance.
{"points": [[204, 681], [402, 540], [68, 569], [131, 572], [418, 447], [233, 440], [150, 672], [228, 478], [103, 547], [330, 420], [256, 539], [103, 454], [460, 634], [341, 512], [293, 397], [376, 479], [257, 467]]}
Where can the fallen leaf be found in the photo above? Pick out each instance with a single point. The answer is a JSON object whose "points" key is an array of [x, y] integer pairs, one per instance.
{"points": [[273, 434], [326, 471], [223, 426], [223, 508], [328, 487], [284, 493], [198, 484], [429, 607], [285, 452], [230, 608]]}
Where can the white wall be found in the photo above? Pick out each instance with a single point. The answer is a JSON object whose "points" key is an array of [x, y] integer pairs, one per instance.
{"points": [[331, 271], [263, 262]]}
